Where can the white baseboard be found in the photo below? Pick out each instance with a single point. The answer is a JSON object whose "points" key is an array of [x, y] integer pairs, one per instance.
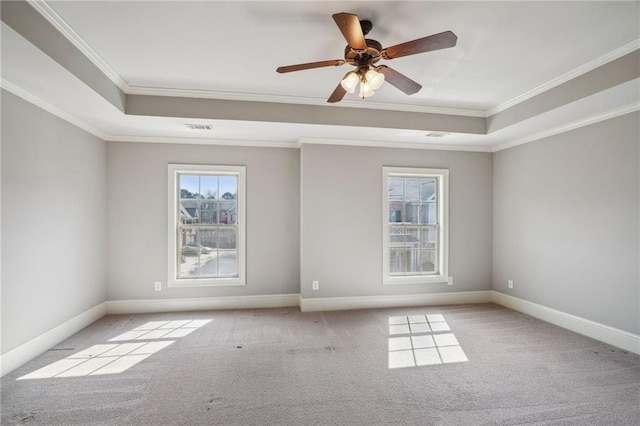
{"points": [[604, 333], [202, 303], [392, 301], [18, 356]]}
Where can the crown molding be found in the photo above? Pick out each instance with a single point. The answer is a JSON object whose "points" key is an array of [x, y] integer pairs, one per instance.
{"points": [[404, 145], [583, 69], [74, 38], [27, 96], [200, 141], [571, 126]]}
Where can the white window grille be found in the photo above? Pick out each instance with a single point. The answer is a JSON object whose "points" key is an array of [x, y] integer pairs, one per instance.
{"points": [[206, 225], [415, 228]]}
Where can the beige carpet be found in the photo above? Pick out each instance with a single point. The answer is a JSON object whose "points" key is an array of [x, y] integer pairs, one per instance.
{"points": [[450, 365]]}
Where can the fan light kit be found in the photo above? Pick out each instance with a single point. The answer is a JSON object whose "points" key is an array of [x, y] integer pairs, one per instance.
{"points": [[370, 80], [365, 53]]}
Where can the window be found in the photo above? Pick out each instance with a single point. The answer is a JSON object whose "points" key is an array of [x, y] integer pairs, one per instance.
{"points": [[415, 232], [206, 225]]}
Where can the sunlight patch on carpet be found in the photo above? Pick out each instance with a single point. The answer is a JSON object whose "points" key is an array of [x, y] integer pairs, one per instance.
{"points": [[422, 340], [161, 330], [114, 358]]}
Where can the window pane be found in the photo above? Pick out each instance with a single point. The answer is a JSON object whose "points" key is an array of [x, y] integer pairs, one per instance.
{"points": [[208, 239], [207, 261], [411, 189], [188, 237], [227, 238], [411, 212], [209, 187], [412, 261], [227, 262], [219, 263], [189, 214], [188, 267], [428, 260], [189, 186], [228, 187], [209, 211], [228, 211], [395, 188], [428, 237], [396, 236], [189, 253], [396, 211], [396, 261], [412, 237], [428, 213], [208, 267], [428, 189]]}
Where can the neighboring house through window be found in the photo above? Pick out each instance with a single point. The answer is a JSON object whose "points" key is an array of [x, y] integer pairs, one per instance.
{"points": [[206, 225], [415, 228]]}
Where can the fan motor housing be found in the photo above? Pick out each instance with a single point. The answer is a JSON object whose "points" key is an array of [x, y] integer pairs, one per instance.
{"points": [[370, 56]]}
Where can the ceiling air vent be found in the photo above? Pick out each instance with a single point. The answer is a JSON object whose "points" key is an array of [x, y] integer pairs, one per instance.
{"points": [[437, 134], [199, 126]]}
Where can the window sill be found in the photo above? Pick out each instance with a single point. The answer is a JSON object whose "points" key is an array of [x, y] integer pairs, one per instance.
{"points": [[217, 282], [432, 279]]}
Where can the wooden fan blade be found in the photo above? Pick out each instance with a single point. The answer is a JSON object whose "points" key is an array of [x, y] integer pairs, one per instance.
{"points": [[337, 94], [310, 65], [398, 80], [349, 25], [426, 44]]}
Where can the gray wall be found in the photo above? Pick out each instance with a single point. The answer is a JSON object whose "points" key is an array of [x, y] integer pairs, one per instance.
{"points": [[53, 221], [559, 216], [566, 218], [342, 219], [137, 199]]}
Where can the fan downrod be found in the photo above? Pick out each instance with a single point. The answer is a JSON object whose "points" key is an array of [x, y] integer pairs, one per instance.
{"points": [[366, 26]]}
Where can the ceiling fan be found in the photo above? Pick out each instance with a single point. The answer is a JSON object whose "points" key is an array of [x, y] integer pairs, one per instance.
{"points": [[364, 53]]}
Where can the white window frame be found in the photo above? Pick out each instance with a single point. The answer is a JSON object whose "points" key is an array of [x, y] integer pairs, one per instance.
{"points": [[174, 170], [442, 176]]}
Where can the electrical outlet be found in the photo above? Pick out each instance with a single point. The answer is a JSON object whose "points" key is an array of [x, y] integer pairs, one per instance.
{"points": [[450, 281], [157, 285], [510, 283], [315, 285]]}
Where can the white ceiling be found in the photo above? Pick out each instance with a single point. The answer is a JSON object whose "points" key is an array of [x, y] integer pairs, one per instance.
{"points": [[506, 52]]}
